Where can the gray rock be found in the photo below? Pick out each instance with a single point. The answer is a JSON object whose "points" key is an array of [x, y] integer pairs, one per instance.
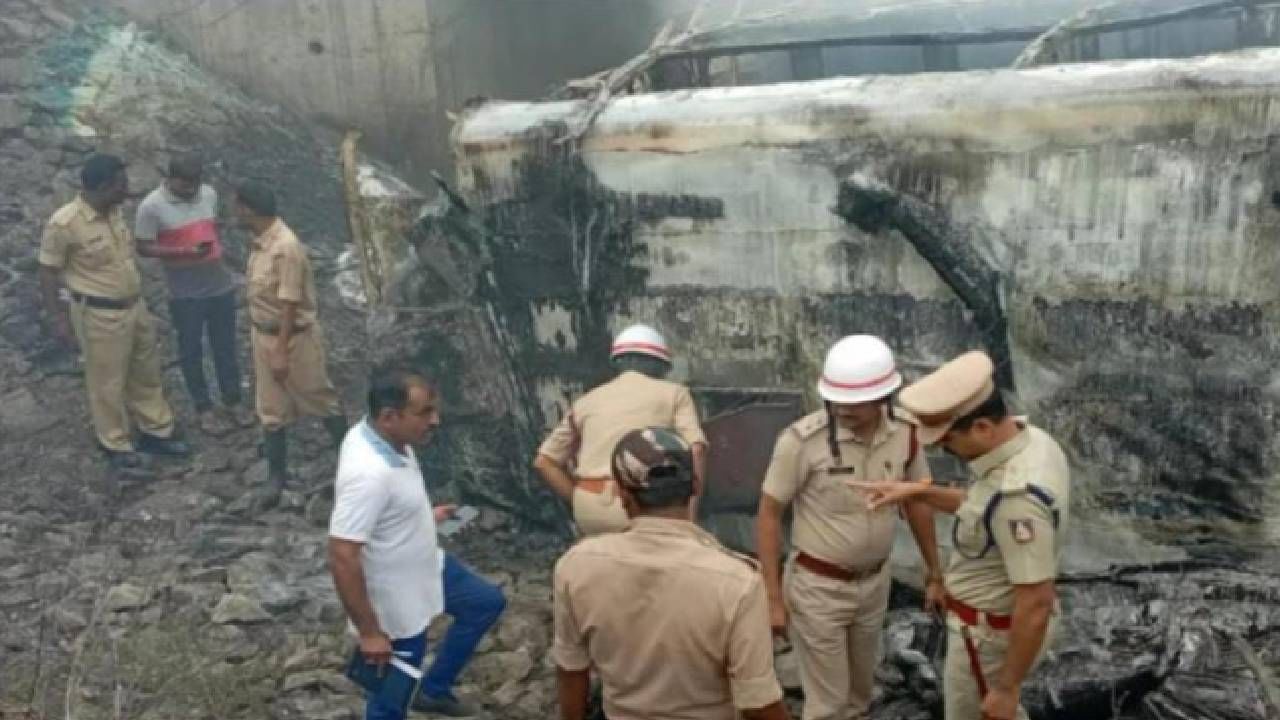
{"points": [[240, 652], [316, 679], [23, 414], [537, 702], [496, 669], [324, 610], [19, 31], [214, 459], [256, 474], [235, 608], [308, 658], [492, 519], [247, 571], [259, 576], [318, 510], [323, 707], [126, 597], [517, 631], [199, 594], [11, 73], [16, 572], [207, 575], [292, 500], [509, 693], [67, 620]]}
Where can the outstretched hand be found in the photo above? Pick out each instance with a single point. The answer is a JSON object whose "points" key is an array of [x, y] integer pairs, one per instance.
{"points": [[444, 512], [881, 493]]}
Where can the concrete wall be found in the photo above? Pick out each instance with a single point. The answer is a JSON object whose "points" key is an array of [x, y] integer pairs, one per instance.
{"points": [[393, 68]]}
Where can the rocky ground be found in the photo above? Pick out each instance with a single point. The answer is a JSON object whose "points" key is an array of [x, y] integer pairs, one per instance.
{"points": [[181, 597]]}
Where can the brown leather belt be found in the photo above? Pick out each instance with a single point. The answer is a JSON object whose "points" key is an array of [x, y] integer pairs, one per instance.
{"points": [[835, 572], [266, 329], [594, 485], [102, 303], [970, 615]]}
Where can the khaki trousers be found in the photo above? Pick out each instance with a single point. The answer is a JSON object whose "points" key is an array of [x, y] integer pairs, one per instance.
{"points": [[597, 513], [305, 391], [961, 699], [122, 373], [835, 628]]}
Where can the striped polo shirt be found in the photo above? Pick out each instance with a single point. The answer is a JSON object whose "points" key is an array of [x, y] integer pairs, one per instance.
{"points": [[175, 222]]}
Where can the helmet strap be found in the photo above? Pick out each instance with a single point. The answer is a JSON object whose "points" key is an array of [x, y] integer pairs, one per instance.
{"points": [[832, 442]]}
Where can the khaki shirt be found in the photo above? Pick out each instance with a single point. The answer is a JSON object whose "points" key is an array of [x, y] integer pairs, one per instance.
{"points": [[676, 625], [830, 520], [94, 252], [588, 433], [1027, 545], [279, 271]]}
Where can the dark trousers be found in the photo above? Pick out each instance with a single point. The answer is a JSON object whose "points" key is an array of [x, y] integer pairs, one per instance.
{"points": [[475, 605], [191, 318]]}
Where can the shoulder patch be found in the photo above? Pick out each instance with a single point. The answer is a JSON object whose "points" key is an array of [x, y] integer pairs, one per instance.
{"points": [[811, 424]]}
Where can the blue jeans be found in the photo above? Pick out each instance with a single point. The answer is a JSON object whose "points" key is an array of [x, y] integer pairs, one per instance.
{"points": [[475, 605]]}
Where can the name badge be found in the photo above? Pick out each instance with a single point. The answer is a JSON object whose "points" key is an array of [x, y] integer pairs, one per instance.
{"points": [[840, 470]]}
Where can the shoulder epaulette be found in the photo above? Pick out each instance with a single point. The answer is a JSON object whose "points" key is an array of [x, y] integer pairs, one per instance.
{"points": [[709, 540], [62, 216], [811, 424]]}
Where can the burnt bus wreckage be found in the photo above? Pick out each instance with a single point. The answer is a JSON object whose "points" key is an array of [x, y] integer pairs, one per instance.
{"points": [[1088, 196]]}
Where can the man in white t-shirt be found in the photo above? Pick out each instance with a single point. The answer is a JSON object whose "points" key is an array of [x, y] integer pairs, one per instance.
{"points": [[389, 571]]}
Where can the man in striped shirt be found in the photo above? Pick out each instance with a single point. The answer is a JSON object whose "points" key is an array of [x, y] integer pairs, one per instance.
{"points": [[176, 224]]}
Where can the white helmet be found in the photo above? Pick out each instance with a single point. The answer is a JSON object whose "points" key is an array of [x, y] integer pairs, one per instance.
{"points": [[641, 339], [859, 368]]}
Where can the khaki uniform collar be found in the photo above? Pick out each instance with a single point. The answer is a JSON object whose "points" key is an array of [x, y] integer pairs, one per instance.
{"points": [[982, 465], [88, 212], [882, 433], [667, 526], [268, 236]]}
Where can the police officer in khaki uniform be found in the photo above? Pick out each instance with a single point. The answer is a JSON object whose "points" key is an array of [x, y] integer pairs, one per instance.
{"points": [[288, 345], [674, 623], [87, 246], [838, 580], [1008, 534], [574, 459]]}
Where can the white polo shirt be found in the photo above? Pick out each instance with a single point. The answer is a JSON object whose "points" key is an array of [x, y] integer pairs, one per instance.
{"points": [[380, 500]]}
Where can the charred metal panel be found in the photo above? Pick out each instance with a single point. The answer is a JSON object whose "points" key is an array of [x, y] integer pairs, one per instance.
{"points": [[740, 444]]}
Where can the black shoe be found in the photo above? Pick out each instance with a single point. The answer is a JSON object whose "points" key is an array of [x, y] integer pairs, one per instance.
{"points": [[129, 463], [152, 445]]}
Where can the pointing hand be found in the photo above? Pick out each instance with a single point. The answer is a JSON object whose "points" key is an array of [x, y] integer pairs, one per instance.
{"points": [[881, 493]]}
